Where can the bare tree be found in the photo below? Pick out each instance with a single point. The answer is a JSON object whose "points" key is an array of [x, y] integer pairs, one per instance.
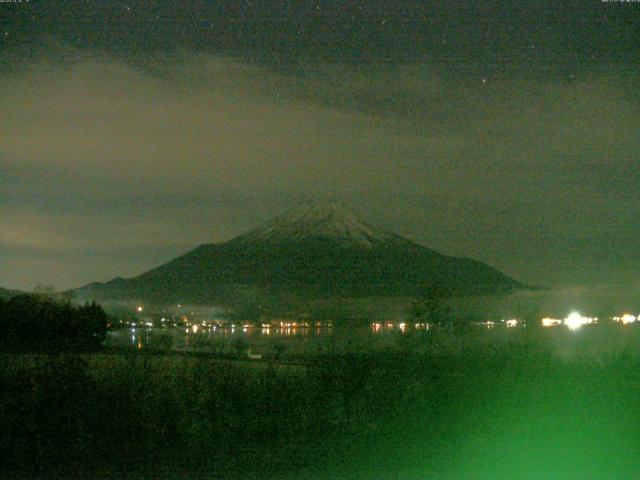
{"points": [[432, 305], [44, 290]]}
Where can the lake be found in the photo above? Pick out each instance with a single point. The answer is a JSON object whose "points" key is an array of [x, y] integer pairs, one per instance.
{"points": [[299, 340], [598, 341]]}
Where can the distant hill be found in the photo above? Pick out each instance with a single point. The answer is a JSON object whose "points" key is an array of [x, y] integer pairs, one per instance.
{"points": [[316, 250], [4, 293]]}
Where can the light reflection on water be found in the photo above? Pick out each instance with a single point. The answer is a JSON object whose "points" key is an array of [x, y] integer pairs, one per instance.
{"points": [[294, 337], [139, 337], [181, 337], [298, 339], [282, 342]]}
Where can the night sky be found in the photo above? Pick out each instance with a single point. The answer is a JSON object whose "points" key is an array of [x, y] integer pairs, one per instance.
{"points": [[130, 132]]}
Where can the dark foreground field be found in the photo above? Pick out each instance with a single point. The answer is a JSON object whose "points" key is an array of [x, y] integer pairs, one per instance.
{"points": [[512, 411]]}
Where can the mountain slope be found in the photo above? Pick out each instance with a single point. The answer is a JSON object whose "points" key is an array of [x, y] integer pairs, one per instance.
{"points": [[318, 249]]}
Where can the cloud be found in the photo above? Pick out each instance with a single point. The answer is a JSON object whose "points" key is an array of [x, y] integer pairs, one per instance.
{"points": [[110, 122]]}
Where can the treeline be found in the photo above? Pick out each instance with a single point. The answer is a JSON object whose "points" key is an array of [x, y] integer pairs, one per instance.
{"points": [[39, 322]]}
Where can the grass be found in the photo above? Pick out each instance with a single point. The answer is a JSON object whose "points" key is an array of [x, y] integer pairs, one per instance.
{"points": [[439, 406]]}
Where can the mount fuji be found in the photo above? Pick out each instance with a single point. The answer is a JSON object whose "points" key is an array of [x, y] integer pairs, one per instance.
{"points": [[315, 250]]}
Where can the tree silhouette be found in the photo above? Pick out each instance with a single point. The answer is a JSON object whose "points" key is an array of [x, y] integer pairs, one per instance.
{"points": [[432, 305], [37, 322]]}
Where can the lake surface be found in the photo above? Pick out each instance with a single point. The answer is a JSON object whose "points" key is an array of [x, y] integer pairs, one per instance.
{"points": [[259, 340], [594, 341]]}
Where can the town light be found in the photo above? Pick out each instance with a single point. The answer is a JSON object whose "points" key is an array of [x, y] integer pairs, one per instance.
{"points": [[574, 321], [627, 318], [550, 322]]}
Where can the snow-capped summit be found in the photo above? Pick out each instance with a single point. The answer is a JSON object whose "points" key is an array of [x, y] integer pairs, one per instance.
{"points": [[316, 220]]}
